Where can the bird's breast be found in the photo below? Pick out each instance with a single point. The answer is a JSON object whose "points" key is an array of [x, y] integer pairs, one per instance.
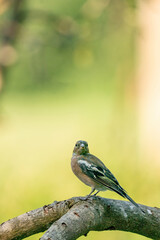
{"points": [[83, 177]]}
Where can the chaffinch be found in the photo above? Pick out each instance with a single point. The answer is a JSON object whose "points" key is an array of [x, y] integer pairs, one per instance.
{"points": [[91, 171]]}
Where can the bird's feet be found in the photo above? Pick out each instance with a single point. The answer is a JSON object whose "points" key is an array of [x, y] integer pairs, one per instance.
{"points": [[85, 198]]}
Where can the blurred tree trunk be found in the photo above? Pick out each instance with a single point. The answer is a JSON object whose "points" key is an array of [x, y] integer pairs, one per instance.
{"points": [[149, 77], [9, 31]]}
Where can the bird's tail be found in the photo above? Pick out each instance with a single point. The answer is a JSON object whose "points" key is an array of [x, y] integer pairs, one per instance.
{"points": [[132, 201], [124, 194], [118, 189]]}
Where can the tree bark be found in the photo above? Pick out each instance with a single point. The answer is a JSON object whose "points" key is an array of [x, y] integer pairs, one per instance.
{"points": [[74, 217]]}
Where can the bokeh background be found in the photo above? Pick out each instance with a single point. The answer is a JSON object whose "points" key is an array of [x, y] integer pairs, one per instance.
{"points": [[71, 70]]}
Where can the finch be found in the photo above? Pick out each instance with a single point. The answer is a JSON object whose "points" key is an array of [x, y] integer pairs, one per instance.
{"points": [[91, 171]]}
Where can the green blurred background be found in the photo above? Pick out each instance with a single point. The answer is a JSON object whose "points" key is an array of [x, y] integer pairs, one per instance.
{"points": [[68, 73]]}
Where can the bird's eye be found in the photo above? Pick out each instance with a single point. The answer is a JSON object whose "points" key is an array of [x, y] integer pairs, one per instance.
{"points": [[76, 145]]}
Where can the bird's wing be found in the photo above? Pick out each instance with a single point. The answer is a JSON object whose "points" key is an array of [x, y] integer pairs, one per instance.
{"points": [[101, 174], [101, 167]]}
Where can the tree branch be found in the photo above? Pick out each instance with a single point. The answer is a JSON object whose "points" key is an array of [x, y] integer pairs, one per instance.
{"points": [[74, 217]]}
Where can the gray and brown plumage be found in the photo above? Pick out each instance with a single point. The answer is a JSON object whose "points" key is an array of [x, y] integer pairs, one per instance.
{"points": [[91, 171]]}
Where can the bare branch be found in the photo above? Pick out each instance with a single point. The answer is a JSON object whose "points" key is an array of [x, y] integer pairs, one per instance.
{"points": [[74, 217], [35, 221]]}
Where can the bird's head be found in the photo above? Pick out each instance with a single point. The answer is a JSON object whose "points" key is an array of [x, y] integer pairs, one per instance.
{"points": [[81, 148]]}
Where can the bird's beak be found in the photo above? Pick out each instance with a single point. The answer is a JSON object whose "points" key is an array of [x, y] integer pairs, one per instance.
{"points": [[82, 146]]}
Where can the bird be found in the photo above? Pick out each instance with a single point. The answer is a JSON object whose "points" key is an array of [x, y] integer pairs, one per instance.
{"points": [[92, 171]]}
